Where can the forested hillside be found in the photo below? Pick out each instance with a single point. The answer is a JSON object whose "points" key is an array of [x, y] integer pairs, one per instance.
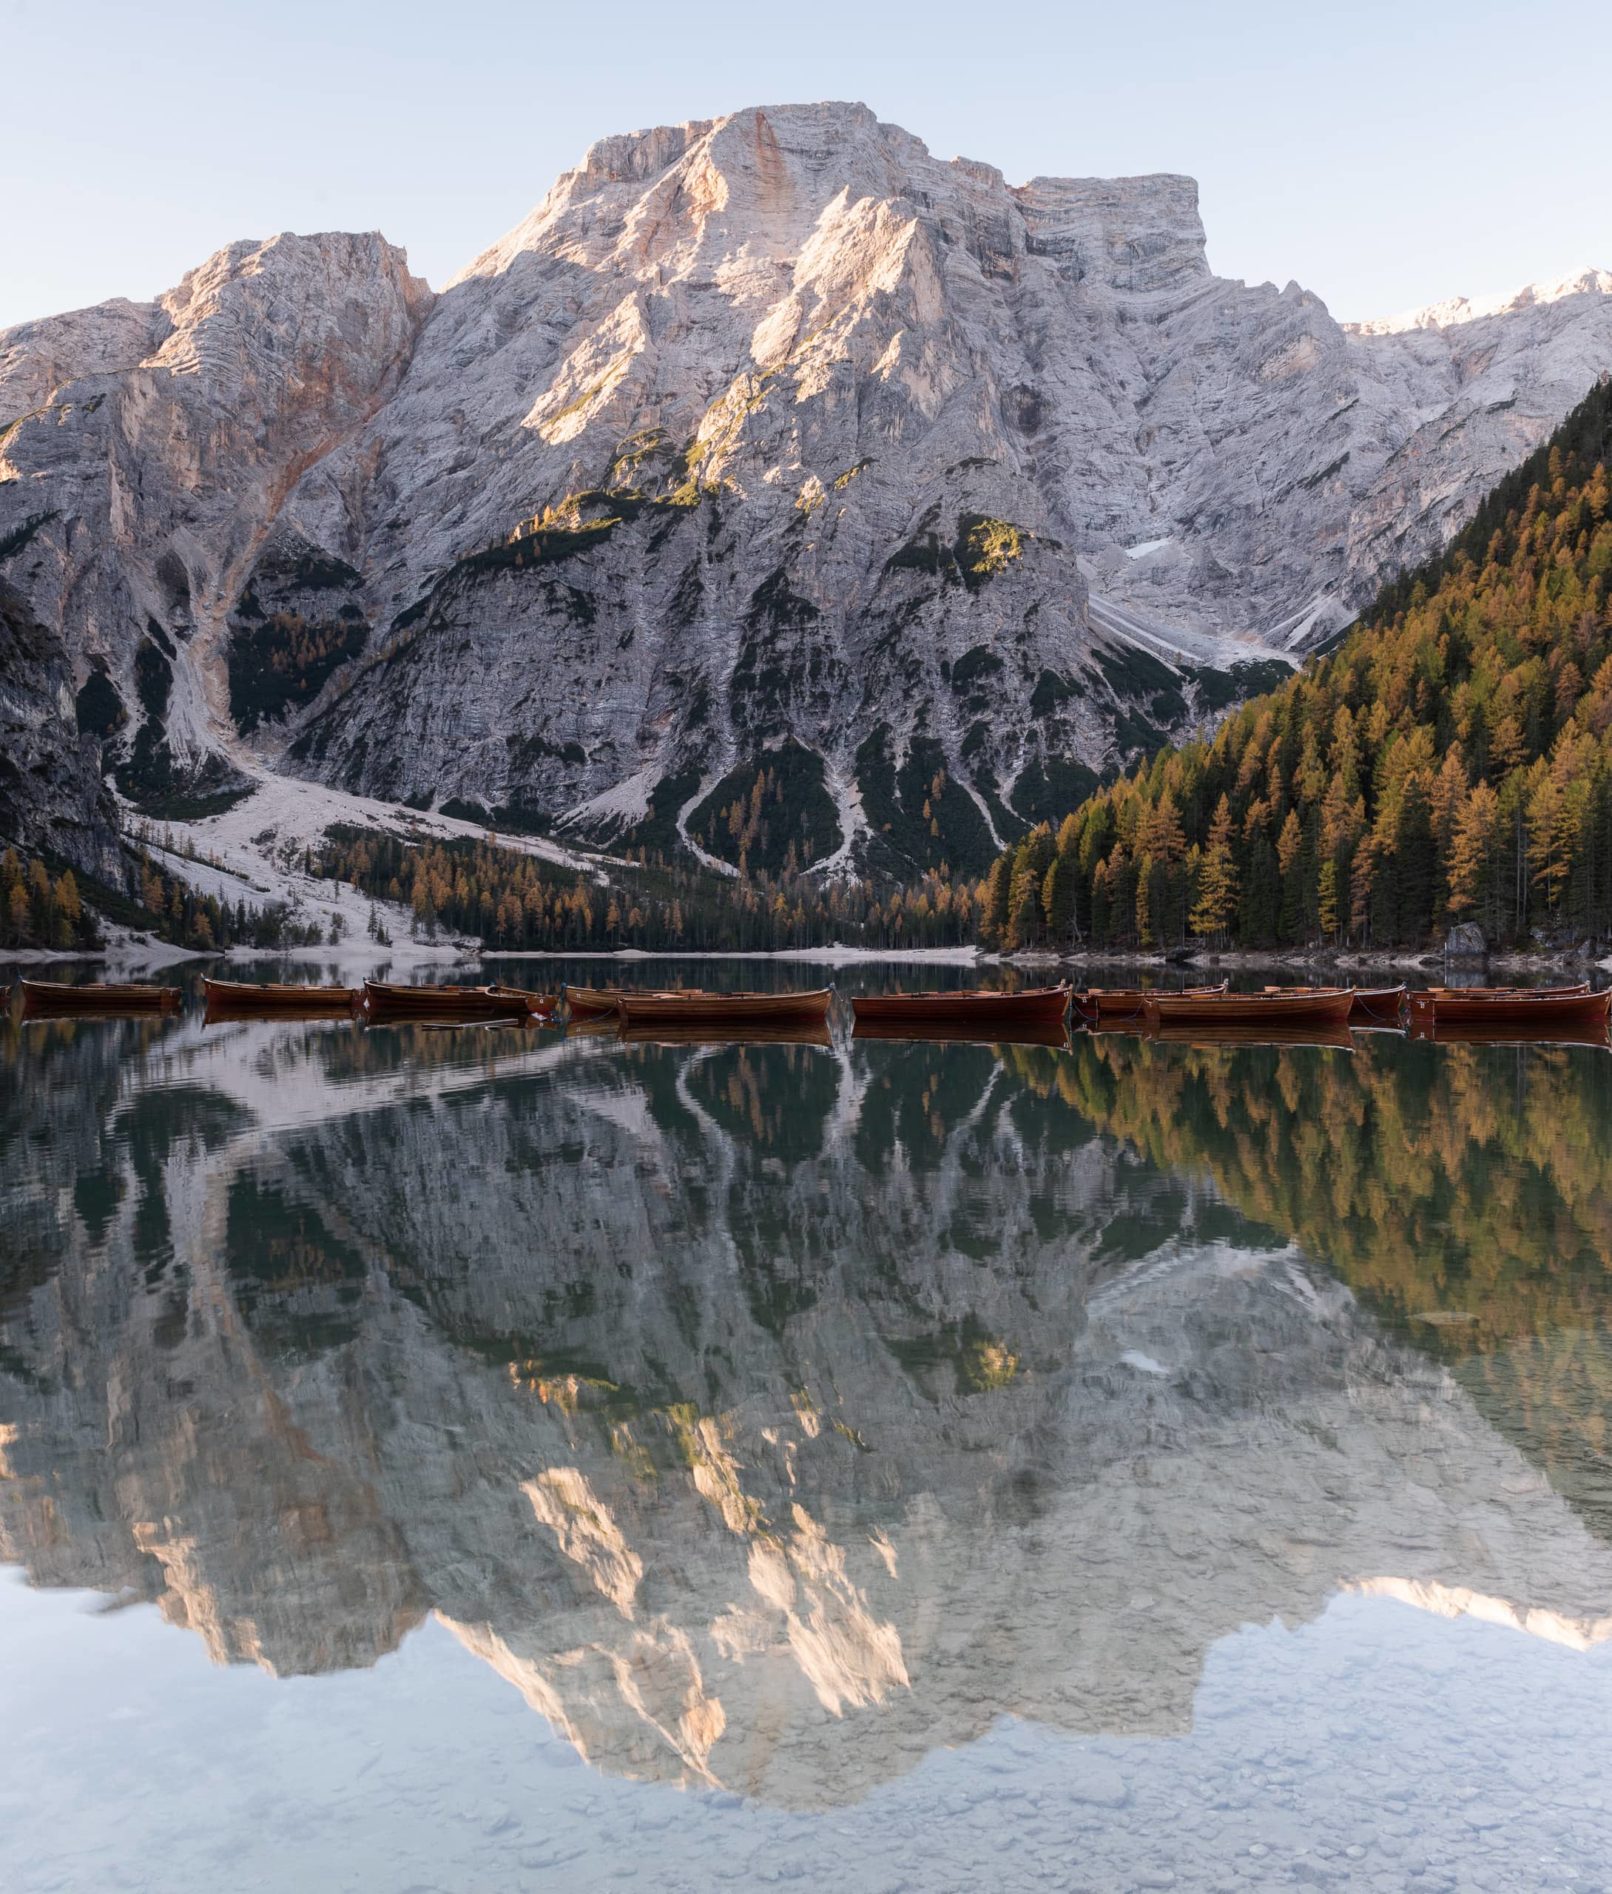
{"points": [[1450, 761], [516, 902]]}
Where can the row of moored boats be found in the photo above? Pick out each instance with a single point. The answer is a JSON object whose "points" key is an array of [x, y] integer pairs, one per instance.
{"points": [[1040, 1014]]}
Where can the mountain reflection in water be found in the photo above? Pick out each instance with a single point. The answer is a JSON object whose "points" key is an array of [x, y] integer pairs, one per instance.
{"points": [[772, 1416]]}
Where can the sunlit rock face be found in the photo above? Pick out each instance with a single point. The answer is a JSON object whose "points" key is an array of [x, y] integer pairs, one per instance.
{"points": [[767, 1417], [146, 454], [765, 434]]}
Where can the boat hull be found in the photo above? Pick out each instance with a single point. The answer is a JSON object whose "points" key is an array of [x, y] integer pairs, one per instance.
{"points": [[539, 1005], [592, 1002], [1580, 1009], [61, 998], [978, 1012], [439, 1002], [1373, 1005], [1105, 1003], [243, 998], [1380, 1006], [1311, 1008], [724, 1009]]}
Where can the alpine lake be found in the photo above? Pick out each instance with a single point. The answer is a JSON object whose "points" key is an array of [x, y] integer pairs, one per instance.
{"points": [[496, 1458]]}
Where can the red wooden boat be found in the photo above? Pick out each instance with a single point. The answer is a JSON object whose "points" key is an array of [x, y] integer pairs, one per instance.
{"points": [[592, 1002], [977, 1009], [1513, 1005], [1373, 1005], [243, 998], [1307, 1006], [539, 1005], [1378, 1005], [724, 1009], [444, 1002], [1101, 1003], [61, 998]]}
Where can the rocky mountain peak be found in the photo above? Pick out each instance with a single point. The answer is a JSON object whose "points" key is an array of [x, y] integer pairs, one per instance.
{"points": [[768, 447], [1455, 310], [1140, 235]]}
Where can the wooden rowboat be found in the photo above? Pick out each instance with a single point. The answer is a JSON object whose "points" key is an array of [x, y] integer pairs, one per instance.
{"points": [[1309, 1006], [242, 997], [1378, 1005], [977, 1010], [1114, 1002], [1533, 1006], [61, 997], [592, 1002], [442, 1002], [724, 1009], [539, 1005], [1373, 1005], [1498, 992]]}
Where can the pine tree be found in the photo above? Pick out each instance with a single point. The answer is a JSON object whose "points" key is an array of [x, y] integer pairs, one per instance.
{"points": [[1058, 897], [1216, 904], [1290, 865]]}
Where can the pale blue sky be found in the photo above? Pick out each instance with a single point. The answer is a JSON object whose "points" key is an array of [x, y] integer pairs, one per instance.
{"points": [[1382, 154]]}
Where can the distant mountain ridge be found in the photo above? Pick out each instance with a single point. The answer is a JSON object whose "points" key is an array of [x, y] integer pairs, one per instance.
{"points": [[766, 443], [1458, 309]]}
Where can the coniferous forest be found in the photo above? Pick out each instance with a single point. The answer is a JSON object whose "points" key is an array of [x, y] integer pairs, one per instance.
{"points": [[1450, 761], [513, 900]]}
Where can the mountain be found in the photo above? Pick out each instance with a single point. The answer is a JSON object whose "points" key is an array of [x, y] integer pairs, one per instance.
{"points": [[1450, 762], [769, 442]]}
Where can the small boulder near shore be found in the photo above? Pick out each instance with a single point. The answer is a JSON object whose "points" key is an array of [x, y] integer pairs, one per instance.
{"points": [[1465, 942]]}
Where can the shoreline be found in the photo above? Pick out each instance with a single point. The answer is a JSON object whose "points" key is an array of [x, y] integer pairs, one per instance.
{"points": [[1388, 960], [131, 954]]}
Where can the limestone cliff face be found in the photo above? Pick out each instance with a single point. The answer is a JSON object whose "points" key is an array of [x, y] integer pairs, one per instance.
{"points": [[765, 439], [146, 451], [766, 1418]]}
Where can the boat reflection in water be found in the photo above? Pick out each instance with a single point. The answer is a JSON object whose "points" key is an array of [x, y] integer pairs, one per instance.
{"points": [[1524, 1032], [775, 1415], [1278, 1032], [712, 1032], [961, 1032]]}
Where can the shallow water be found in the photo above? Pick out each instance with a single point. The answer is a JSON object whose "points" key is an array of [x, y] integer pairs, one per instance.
{"points": [[454, 1459]]}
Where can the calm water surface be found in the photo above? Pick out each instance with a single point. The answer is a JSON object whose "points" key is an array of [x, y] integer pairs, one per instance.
{"points": [[446, 1460]]}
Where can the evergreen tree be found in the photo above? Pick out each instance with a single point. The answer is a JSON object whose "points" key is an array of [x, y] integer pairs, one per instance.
{"points": [[1216, 906]]}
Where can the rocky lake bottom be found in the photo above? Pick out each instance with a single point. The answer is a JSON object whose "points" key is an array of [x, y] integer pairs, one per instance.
{"points": [[451, 1459]]}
